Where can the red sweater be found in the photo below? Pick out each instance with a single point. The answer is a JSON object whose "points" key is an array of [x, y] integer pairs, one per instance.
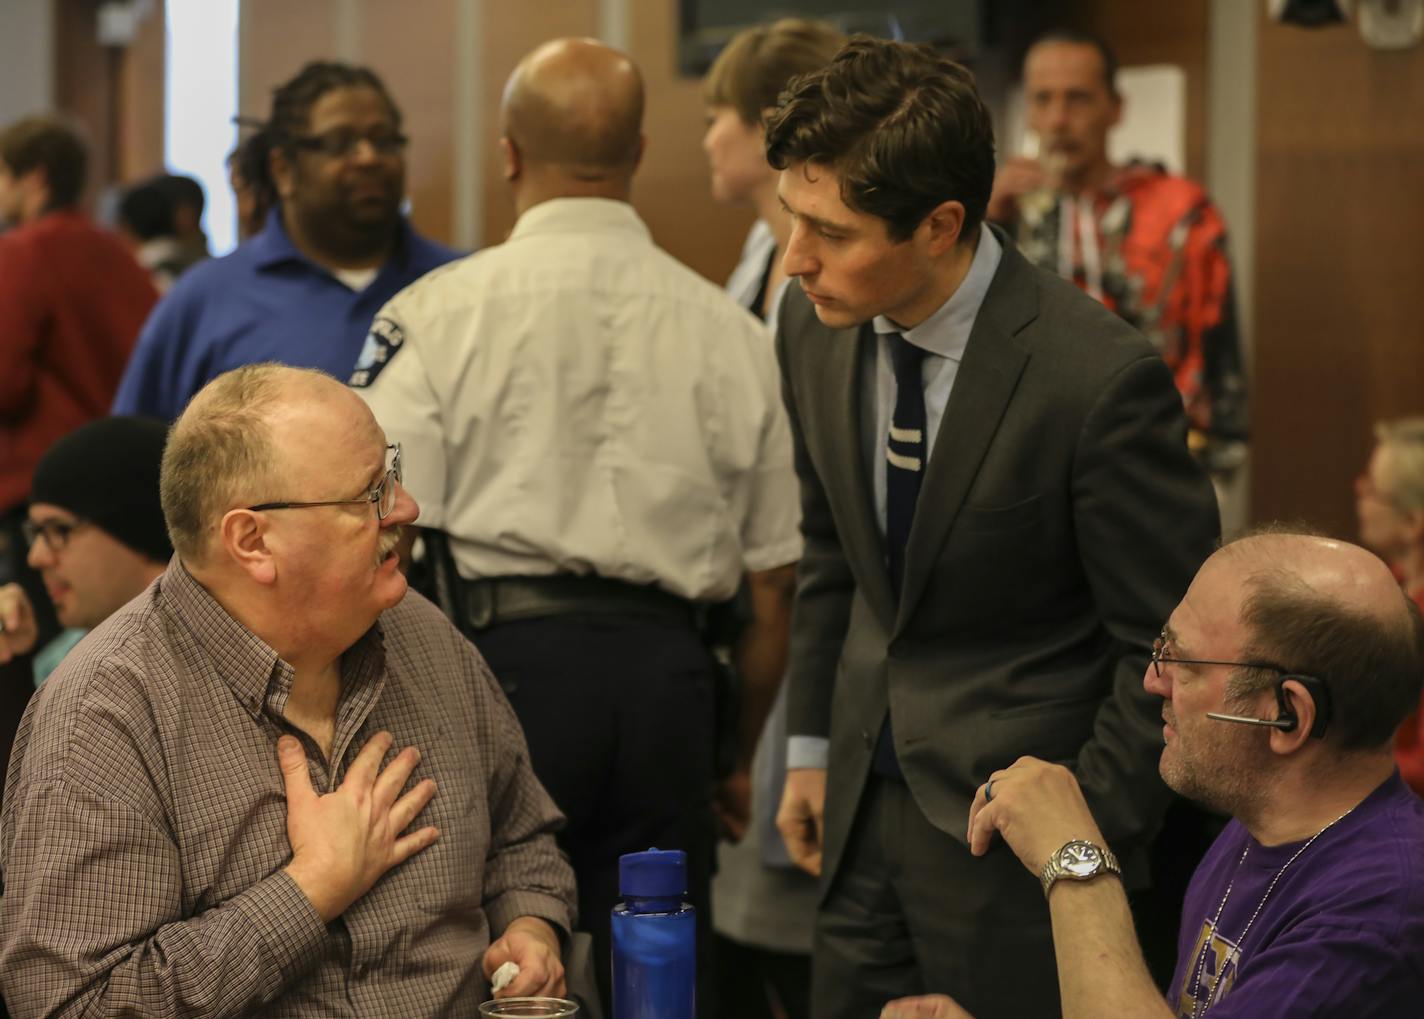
{"points": [[72, 301]]}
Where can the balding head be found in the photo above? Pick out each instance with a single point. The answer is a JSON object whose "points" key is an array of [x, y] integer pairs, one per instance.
{"points": [[1337, 570], [1329, 609], [227, 447], [573, 108]]}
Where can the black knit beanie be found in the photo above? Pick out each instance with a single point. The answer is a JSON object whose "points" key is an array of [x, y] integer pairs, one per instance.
{"points": [[106, 472]]}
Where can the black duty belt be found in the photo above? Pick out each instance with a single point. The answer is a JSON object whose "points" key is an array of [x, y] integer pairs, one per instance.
{"points": [[506, 599]]}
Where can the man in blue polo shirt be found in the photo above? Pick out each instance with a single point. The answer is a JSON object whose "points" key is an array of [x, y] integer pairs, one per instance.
{"points": [[336, 248]]}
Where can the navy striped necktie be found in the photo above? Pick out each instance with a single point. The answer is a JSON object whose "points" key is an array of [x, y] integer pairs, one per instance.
{"points": [[906, 454]]}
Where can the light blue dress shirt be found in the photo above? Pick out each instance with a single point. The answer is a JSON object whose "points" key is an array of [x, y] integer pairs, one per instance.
{"points": [[944, 335]]}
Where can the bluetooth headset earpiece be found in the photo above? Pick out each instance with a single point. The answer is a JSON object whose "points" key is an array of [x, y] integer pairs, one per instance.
{"points": [[1285, 719]]}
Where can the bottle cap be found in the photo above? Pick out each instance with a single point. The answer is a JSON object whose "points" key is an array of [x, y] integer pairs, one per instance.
{"points": [[655, 874]]}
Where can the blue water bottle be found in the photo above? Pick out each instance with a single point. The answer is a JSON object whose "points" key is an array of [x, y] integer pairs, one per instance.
{"points": [[654, 938]]}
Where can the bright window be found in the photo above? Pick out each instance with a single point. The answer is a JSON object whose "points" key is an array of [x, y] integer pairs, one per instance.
{"points": [[200, 102]]}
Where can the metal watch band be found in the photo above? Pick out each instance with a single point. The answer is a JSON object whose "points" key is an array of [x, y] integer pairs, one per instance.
{"points": [[1055, 869]]}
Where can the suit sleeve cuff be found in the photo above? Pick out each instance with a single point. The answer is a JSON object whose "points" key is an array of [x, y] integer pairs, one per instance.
{"points": [[807, 751]]}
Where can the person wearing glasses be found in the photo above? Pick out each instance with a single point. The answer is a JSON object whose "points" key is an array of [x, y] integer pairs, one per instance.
{"points": [[277, 783], [335, 248], [1283, 675], [95, 534]]}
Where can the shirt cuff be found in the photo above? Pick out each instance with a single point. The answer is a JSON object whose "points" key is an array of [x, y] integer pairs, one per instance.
{"points": [[807, 752], [506, 908], [287, 923], [772, 556]]}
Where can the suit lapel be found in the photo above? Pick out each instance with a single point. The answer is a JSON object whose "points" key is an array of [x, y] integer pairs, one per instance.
{"points": [[846, 476], [994, 358]]}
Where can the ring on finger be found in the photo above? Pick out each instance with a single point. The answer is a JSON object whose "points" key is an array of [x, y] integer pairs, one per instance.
{"points": [[988, 790]]}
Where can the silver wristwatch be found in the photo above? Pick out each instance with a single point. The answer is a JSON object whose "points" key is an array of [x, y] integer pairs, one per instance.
{"points": [[1079, 861]]}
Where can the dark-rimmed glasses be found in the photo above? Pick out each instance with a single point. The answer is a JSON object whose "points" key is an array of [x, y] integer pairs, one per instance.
{"points": [[55, 532], [1161, 655], [342, 142], [383, 496]]}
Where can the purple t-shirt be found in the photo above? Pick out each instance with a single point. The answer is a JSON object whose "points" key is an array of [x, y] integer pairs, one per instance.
{"points": [[1342, 934]]}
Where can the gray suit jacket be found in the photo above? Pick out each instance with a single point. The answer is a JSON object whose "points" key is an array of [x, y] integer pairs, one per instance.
{"points": [[1060, 520]]}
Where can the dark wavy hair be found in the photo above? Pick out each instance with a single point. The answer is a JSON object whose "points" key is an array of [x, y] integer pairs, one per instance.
{"points": [[903, 127]]}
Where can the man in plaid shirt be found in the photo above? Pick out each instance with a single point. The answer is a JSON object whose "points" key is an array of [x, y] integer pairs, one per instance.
{"points": [[277, 782]]}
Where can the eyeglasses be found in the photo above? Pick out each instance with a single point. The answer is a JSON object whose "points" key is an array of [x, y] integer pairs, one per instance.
{"points": [[1160, 655], [339, 143], [383, 496], [55, 532]]}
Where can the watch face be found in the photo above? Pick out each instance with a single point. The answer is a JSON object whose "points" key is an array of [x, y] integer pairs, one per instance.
{"points": [[1081, 858]]}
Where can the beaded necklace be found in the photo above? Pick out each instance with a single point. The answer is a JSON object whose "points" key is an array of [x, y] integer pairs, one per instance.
{"points": [[1235, 950]]}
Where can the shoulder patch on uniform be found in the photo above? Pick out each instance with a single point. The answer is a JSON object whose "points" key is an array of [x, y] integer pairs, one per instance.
{"points": [[383, 342]]}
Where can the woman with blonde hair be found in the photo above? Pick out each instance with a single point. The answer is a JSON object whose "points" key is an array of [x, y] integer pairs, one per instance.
{"points": [[742, 85]]}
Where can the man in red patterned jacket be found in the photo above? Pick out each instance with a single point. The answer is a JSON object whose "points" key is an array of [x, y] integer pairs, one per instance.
{"points": [[1148, 244], [72, 301]]}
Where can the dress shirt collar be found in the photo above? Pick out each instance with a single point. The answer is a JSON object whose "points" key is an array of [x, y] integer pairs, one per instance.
{"points": [[946, 332], [273, 245], [252, 670], [579, 215]]}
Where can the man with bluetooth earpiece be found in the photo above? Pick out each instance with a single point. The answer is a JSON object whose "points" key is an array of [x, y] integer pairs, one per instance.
{"points": [[1283, 674]]}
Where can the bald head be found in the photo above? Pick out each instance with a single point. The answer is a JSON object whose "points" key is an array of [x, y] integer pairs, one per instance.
{"points": [[1336, 571], [1326, 608], [576, 106]]}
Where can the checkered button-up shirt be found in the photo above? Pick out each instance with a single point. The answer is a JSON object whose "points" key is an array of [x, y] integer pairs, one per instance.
{"points": [[143, 832]]}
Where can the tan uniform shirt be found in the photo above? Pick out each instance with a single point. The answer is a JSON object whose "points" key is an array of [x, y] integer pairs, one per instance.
{"points": [[143, 832], [574, 400]]}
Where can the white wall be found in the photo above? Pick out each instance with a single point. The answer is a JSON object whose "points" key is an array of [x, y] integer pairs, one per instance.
{"points": [[200, 102], [26, 58]]}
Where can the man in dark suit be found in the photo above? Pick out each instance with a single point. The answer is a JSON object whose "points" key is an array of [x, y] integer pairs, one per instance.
{"points": [[999, 511]]}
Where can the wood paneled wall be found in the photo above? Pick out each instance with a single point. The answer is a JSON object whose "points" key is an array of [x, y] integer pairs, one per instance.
{"points": [[1175, 33], [276, 37], [672, 191], [510, 31], [85, 87], [116, 93], [140, 101], [416, 57], [1339, 263]]}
